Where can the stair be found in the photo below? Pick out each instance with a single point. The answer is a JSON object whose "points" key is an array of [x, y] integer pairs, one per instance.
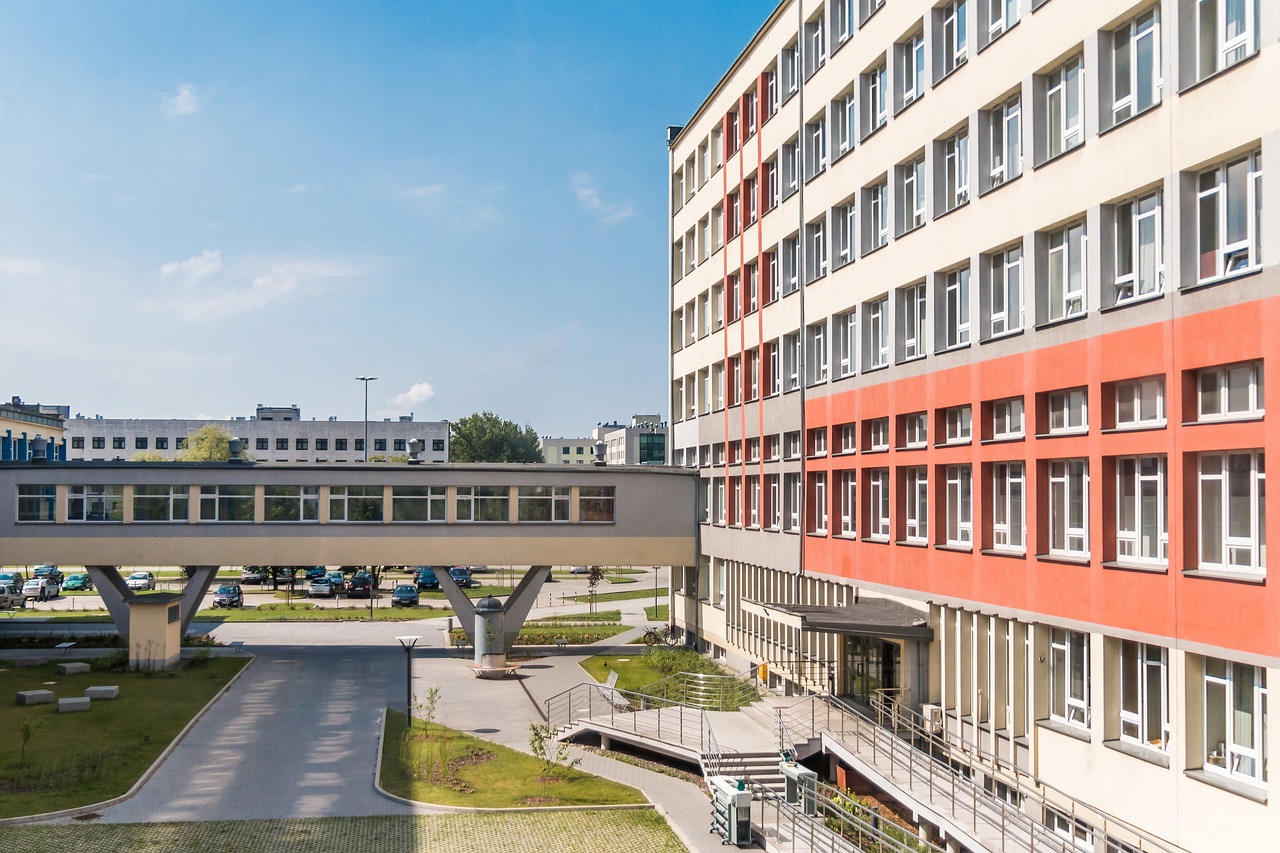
{"points": [[760, 767]]}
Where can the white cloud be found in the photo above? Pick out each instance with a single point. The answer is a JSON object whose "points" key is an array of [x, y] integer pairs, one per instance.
{"points": [[426, 190], [192, 270], [298, 188], [589, 197], [95, 178], [420, 392], [15, 266], [183, 103]]}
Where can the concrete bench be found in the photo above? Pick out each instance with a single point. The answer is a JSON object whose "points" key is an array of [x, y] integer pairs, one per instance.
{"points": [[30, 662], [74, 703], [561, 642], [102, 692], [35, 697], [73, 668], [610, 691], [65, 647]]}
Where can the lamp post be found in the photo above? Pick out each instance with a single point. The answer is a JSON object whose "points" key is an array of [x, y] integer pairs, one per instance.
{"points": [[655, 592], [408, 643], [366, 380]]}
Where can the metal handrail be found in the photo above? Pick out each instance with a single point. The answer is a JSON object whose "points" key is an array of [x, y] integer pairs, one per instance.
{"points": [[702, 690], [627, 710]]}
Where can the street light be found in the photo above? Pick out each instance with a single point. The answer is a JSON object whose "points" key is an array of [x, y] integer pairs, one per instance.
{"points": [[408, 643], [366, 380]]}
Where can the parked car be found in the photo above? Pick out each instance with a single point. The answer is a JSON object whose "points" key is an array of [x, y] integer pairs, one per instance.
{"points": [[578, 570], [253, 574], [314, 572], [404, 595], [425, 578], [462, 577], [229, 595], [320, 588], [40, 589], [13, 576], [361, 584], [140, 580], [11, 597], [80, 582], [338, 580], [50, 572]]}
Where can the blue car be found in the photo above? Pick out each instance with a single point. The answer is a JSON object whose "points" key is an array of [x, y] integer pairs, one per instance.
{"points": [[425, 578]]}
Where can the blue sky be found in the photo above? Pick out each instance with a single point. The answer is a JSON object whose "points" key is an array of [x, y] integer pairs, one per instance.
{"points": [[206, 206]]}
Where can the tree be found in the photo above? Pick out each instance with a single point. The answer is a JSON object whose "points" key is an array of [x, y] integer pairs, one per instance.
{"points": [[210, 443], [148, 456], [484, 437]]}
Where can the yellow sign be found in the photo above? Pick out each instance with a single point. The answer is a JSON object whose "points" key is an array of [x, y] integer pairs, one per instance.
{"points": [[762, 672]]}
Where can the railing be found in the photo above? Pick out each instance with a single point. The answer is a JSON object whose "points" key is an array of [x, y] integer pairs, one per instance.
{"points": [[815, 674], [930, 777], [830, 822], [629, 711], [709, 692], [710, 758]]}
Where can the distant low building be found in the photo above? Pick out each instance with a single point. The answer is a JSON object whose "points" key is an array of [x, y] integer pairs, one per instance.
{"points": [[21, 423], [643, 441], [276, 434]]}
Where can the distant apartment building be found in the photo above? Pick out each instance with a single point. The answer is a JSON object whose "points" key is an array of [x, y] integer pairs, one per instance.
{"points": [[642, 441], [275, 434], [971, 311], [22, 423]]}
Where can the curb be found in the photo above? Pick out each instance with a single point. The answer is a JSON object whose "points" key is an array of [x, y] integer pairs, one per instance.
{"points": [[146, 775]]}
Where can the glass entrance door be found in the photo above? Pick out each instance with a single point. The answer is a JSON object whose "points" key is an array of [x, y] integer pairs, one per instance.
{"points": [[870, 664]]}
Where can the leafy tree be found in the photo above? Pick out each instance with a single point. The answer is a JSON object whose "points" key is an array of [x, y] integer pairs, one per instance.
{"points": [[210, 443], [148, 456], [484, 437]]}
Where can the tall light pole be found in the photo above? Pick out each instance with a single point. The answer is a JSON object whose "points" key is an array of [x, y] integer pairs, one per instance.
{"points": [[408, 643], [366, 380]]}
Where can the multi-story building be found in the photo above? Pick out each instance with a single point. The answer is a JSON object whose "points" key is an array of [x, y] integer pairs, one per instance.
{"points": [[969, 320], [643, 441], [22, 423], [276, 434], [567, 451]]}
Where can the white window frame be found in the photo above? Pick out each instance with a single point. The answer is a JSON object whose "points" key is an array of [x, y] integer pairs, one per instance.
{"points": [[911, 195], [1008, 419], [913, 302], [877, 98], [915, 430], [848, 503], [1139, 250], [955, 35], [1232, 497], [815, 247], [815, 134], [955, 170], [815, 45], [1218, 48], [793, 495], [1001, 15], [911, 68], [1224, 257], [1130, 94], [1242, 751], [1004, 291], [875, 333], [1140, 403], [959, 527], [916, 516], [816, 353], [844, 328], [1230, 392], [1004, 141], [1009, 507], [1064, 108], [878, 434], [821, 508], [792, 356], [878, 507], [1068, 517], [790, 265], [1069, 677], [753, 502], [843, 15], [849, 438], [1067, 269], [877, 216], [955, 309], [843, 121], [844, 218], [959, 424], [1142, 525], [1143, 671], [1068, 411]]}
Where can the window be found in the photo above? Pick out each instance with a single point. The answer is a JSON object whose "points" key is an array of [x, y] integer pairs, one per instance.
{"points": [[791, 354], [820, 519], [99, 442], [323, 443], [1004, 291], [791, 445], [911, 194], [424, 503], [1068, 411], [1225, 34], [749, 111], [733, 205], [843, 119], [162, 443], [815, 46], [717, 228], [818, 442], [753, 502], [842, 16], [733, 296], [878, 434], [910, 55], [875, 99], [911, 307], [915, 430], [955, 310], [769, 177], [790, 265], [1065, 826], [1069, 677], [1226, 393], [815, 250], [1008, 511], [751, 200], [773, 376], [789, 156], [770, 92], [77, 442], [848, 498], [140, 442], [1064, 97], [1233, 519], [959, 422], [734, 380], [1139, 265], [300, 444], [716, 304], [751, 376], [1142, 532], [291, 503], [282, 444], [1064, 284], [916, 485], [815, 151], [380, 445], [875, 222], [867, 8], [437, 445], [1007, 418], [878, 504], [773, 505], [717, 146], [1229, 199], [1140, 403], [542, 503], [792, 493], [1004, 141], [1235, 719], [816, 353], [954, 47], [955, 171], [770, 277], [227, 503], [844, 334], [960, 506], [160, 503], [355, 503], [104, 503], [483, 503], [1069, 507], [717, 386], [1001, 15], [875, 333], [848, 437], [595, 503], [844, 221], [117, 442], [1135, 66], [1144, 695]]}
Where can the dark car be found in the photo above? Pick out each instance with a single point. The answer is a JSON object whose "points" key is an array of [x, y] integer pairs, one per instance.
{"points": [[314, 572], [462, 577], [426, 578], [360, 585], [229, 595], [404, 595], [78, 582], [50, 572]]}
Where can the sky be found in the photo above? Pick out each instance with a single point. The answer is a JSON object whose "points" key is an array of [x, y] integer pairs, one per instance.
{"points": [[208, 206]]}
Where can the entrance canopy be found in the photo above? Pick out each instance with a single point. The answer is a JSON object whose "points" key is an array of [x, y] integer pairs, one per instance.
{"points": [[872, 617]]}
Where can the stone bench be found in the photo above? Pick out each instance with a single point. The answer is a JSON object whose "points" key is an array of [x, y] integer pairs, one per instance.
{"points": [[74, 703], [72, 668], [35, 697], [102, 692]]}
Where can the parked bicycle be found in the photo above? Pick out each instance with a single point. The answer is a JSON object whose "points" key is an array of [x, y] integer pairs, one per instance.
{"points": [[663, 634]]}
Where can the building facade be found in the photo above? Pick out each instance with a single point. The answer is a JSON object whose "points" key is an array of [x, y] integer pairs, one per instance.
{"points": [[969, 315], [642, 441], [21, 423], [275, 434]]}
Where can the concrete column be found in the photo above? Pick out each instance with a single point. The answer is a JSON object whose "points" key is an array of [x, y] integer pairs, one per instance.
{"points": [[193, 593], [107, 580]]}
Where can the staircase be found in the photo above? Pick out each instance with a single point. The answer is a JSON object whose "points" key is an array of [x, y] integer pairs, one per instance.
{"points": [[760, 767]]}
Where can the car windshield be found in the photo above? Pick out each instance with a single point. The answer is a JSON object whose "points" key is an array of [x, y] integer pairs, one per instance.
{"points": [[406, 589], [226, 590], [139, 576]]}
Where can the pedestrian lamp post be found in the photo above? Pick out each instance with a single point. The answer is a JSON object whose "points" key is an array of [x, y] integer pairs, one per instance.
{"points": [[655, 592], [407, 643], [366, 380]]}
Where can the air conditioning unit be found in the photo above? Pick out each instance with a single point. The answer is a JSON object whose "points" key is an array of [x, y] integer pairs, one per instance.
{"points": [[933, 720]]}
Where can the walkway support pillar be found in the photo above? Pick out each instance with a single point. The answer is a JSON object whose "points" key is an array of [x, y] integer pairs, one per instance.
{"points": [[116, 594], [514, 611]]}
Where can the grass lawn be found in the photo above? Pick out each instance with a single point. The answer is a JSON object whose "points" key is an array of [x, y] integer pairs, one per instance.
{"points": [[304, 612], [79, 759], [474, 592], [600, 616], [453, 768], [633, 671], [623, 596], [657, 614], [536, 634]]}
